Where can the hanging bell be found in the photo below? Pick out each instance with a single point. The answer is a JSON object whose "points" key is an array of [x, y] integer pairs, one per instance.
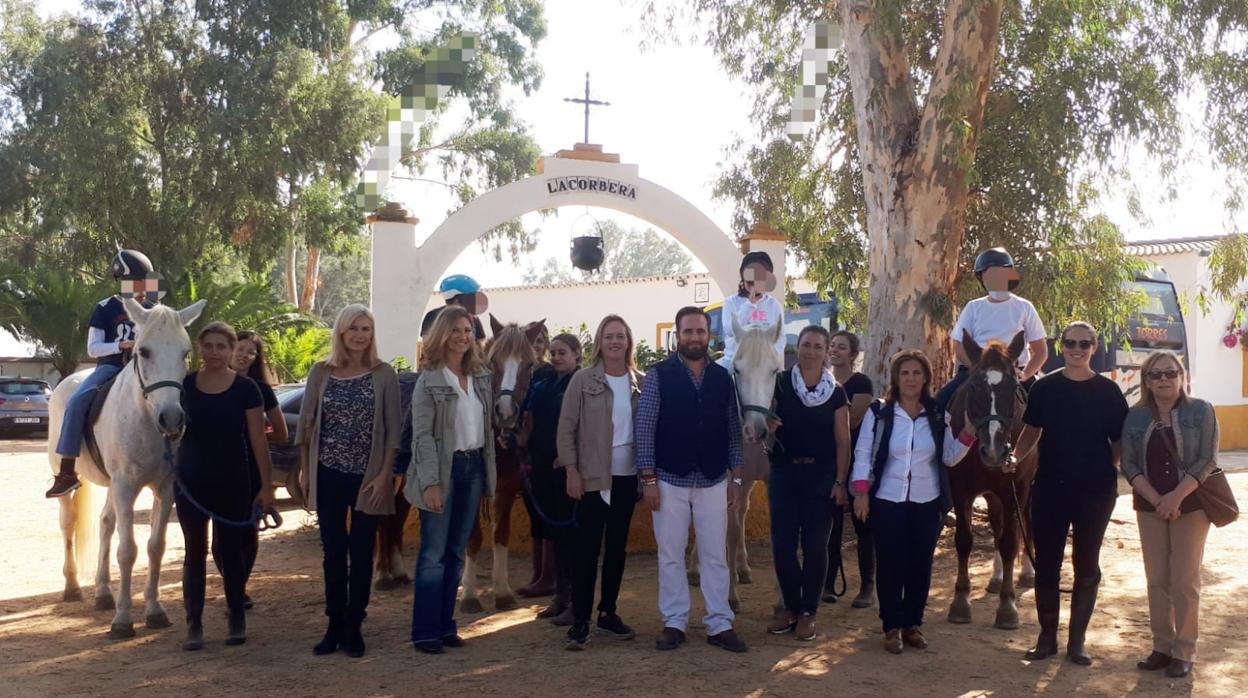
{"points": [[587, 252]]}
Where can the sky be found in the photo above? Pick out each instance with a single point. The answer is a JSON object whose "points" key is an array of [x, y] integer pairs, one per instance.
{"points": [[673, 111]]}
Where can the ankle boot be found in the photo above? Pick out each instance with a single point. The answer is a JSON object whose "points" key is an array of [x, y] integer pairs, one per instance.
{"points": [[1082, 603], [237, 627], [866, 571], [353, 638], [1048, 611], [333, 636], [194, 635]]}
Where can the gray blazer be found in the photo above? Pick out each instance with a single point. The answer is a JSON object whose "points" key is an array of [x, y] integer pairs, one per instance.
{"points": [[1196, 435], [433, 434]]}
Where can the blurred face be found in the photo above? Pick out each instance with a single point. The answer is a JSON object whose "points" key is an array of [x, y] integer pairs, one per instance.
{"points": [[693, 337], [540, 345], [840, 353], [757, 280], [216, 351], [358, 335], [1165, 379], [812, 350], [1078, 346], [614, 341], [562, 358], [461, 338], [244, 355], [911, 379]]}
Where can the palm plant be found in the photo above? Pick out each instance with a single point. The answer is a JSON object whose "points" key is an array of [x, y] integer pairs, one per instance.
{"points": [[249, 305], [51, 310]]}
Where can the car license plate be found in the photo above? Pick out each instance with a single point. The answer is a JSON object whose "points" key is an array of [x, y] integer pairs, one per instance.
{"points": [[25, 420]]}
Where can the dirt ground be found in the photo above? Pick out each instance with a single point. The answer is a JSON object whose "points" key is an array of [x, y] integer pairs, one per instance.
{"points": [[48, 647]]}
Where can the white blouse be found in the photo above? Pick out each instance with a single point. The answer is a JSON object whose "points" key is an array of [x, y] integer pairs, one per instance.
{"points": [[749, 314], [908, 473], [469, 414]]}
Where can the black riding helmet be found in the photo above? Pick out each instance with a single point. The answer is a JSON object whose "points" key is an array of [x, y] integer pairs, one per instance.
{"points": [[994, 257], [131, 265]]}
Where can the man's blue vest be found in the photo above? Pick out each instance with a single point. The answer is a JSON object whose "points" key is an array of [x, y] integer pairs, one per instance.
{"points": [[692, 431]]}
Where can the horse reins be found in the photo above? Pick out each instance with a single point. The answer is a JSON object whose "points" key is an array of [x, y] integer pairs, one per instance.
{"points": [[148, 389]]}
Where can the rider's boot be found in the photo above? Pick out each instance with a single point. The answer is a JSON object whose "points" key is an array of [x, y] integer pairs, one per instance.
{"points": [[333, 636], [1082, 603], [1048, 610], [65, 481], [237, 627], [194, 635]]}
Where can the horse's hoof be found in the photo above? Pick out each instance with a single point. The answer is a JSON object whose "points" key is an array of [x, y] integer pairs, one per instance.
{"points": [[505, 603], [471, 605], [744, 576], [73, 594], [156, 621], [694, 579], [105, 603], [960, 610], [1027, 581], [1007, 618], [402, 580], [735, 605], [994, 586], [384, 584], [121, 631]]}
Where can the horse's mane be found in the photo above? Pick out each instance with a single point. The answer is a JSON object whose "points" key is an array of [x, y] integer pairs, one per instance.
{"points": [[510, 342], [996, 354], [757, 347]]}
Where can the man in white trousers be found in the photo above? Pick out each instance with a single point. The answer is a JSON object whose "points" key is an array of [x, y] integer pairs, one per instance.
{"points": [[688, 438]]}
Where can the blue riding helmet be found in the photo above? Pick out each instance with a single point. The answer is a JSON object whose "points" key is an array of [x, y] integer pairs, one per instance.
{"points": [[456, 284]]}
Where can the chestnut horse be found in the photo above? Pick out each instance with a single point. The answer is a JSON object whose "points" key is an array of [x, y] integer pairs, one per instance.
{"points": [[994, 401], [511, 360]]}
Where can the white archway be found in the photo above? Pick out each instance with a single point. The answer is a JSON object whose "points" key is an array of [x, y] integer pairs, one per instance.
{"points": [[405, 275]]}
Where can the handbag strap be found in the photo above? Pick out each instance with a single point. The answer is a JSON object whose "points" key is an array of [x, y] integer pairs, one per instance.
{"points": [[1168, 438]]}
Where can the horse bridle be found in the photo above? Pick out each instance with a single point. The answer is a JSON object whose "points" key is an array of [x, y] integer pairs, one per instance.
{"points": [[148, 389], [765, 411]]}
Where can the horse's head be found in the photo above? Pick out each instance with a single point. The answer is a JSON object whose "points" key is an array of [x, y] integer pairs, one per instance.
{"points": [[990, 398], [160, 351], [754, 367], [510, 354]]}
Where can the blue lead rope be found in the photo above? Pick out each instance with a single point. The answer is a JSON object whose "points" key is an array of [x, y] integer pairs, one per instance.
{"points": [[264, 520]]}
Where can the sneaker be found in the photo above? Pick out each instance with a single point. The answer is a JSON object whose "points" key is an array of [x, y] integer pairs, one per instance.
{"points": [[556, 608], [727, 640], [805, 628], [564, 619], [62, 484], [578, 636], [610, 624], [784, 621], [669, 639], [452, 640]]}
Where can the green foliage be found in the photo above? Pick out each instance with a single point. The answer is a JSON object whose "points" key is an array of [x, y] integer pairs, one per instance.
{"points": [[647, 357], [52, 311], [401, 364], [250, 305], [1076, 83], [629, 254], [293, 350]]}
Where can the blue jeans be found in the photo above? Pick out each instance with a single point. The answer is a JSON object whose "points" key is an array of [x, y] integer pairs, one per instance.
{"points": [[443, 539], [69, 443]]}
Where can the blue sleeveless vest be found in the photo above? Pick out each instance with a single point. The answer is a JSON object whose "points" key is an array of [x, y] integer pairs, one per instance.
{"points": [[692, 430]]}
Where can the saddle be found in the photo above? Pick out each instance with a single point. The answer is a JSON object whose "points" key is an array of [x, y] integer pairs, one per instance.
{"points": [[93, 414]]}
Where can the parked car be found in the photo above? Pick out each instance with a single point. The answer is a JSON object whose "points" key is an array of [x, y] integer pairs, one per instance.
{"points": [[23, 405], [285, 456]]}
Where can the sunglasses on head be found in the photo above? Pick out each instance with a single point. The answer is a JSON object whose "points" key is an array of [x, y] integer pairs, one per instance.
{"points": [[1169, 374], [1081, 343]]}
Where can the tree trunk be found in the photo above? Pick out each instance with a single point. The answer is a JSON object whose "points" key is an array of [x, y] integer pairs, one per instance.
{"points": [[916, 170], [292, 263], [311, 279]]}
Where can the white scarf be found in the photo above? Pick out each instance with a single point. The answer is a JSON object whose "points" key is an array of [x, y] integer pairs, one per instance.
{"points": [[822, 392]]}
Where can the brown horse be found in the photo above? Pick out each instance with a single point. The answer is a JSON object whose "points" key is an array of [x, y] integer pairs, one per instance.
{"points": [[510, 356], [391, 571], [994, 401]]}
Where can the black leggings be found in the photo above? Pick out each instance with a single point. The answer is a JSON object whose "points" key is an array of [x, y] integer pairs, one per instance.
{"points": [[348, 563], [230, 546], [595, 520], [1059, 510]]}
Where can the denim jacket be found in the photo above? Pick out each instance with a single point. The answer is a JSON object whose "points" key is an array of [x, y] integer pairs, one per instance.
{"points": [[1195, 434], [433, 433]]}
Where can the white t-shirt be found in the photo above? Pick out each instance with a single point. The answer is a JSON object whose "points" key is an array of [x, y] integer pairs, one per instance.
{"points": [[622, 462], [469, 415], [764, 313], [987, 320]]}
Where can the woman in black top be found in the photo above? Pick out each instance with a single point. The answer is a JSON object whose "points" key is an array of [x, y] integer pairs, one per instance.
{"points": [[249, 360], [1076, 415], [842, 354], [552, 505], [223, 469], [806, 488]]}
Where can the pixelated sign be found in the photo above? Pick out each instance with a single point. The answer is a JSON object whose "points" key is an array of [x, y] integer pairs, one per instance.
{"points": [[823, 39]]}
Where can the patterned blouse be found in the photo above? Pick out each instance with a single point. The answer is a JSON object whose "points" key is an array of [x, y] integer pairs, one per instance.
{"points": [[347, 424]]}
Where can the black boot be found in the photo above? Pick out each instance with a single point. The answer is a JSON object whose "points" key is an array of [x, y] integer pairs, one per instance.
{"points": [[1048, 611], [353, 638], [1082, 603], [237, 627], [194, 635], [66, 480], [333, 636], [866, 571]]}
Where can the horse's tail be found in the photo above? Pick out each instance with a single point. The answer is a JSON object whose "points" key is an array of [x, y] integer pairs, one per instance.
{"points": [[86, 526]]}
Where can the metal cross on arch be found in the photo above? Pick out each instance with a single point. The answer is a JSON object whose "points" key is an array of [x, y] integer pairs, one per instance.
{"points": [[588, 103]]}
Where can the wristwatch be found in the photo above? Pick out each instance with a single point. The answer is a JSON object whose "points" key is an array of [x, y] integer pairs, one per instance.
{"points": [[737, 481]]}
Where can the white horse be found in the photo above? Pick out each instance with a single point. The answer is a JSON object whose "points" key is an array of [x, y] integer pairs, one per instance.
{"points": [[754, 368], [142, 412]]}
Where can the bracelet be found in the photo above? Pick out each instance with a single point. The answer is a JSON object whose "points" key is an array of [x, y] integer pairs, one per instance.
{"points": [[647, 481]]}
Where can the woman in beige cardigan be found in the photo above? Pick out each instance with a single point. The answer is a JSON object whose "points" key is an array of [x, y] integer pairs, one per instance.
{"points": [[345, 452]]}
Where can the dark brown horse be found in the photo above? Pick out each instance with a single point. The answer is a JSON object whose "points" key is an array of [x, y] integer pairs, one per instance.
{"points": [[994, 401], [510, 356]]}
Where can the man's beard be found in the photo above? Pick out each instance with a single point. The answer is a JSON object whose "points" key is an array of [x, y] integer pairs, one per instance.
{"points": [[695, 352]]}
